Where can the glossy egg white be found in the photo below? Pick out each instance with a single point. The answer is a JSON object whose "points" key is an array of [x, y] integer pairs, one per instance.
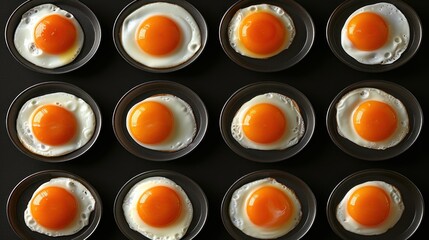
{"points": [[295, 123], [185, 126], [25, 43], [398, 39], [396, 210], [86, 205], [348, 104], [81, 110], [175, 230], [191, 36], [236, 20], [240, 219]]}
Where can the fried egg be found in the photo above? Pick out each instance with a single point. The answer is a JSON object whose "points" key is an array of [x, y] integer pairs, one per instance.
{"points": [[261, 31], [55, 124], [372, 118], [376, 34], [158, 208], [48, 36], [160, 35], [370, 208], [59, 207], [265, 209], [162, 122], [269, 121]]}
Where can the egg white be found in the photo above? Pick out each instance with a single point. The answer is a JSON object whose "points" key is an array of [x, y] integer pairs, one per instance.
{"points": [[81, 110], [174, 231], [397, 42], [185, 126], [25, 43], [191, 36], [351, 101], [241, 14], [240, 219], [396, 210], [86, 205], [295, 123]]}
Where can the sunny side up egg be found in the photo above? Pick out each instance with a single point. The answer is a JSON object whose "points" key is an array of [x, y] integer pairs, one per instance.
{"points": [[370, 208], [162, 122], [60, 207], [48, 36], [160, 35], [158, 208], [376, 34], [372, 118], [55, 124], [261, 31], [265, 209], [269, 121]]}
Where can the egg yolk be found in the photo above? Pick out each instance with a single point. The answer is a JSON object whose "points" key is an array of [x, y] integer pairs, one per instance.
{"points": [[367, 31], [264, 123], [262, 33], [269, 207], [159, 206], [150, 122], [53, 125], [54, 208], [158, 35], [369, 205], [55, 34], [374, 120]]}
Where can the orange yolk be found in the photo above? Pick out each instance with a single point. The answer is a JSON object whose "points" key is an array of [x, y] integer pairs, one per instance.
{"points": [[367, 31], [262, 33], [159, 206], [369, 205], [55, 34], [269, 207], [53, 125], [264, 123], [374, 120], [150, 122], [54, 208], [158, 35]]}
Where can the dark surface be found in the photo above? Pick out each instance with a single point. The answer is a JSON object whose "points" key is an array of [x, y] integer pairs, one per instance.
{"points": [[214, 77]]}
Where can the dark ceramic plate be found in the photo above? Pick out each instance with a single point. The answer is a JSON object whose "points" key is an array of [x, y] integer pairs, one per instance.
{"points": [[86, 18], [193, 191]]}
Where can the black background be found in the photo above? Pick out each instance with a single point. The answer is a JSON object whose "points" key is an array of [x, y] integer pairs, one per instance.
{"points": [[214, 77]]}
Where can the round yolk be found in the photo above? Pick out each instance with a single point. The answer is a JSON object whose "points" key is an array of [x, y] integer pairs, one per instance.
{"points": [[53, 125], [55, 34], [150, 122], [262, 33], [269, 207], [374, 120], [159, 206], [158, 35], [369, 205], [264, 123], [54, 208], [367, 31]]}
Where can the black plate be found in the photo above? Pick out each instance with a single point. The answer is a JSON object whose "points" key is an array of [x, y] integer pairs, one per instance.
{"points": [[301, 189], [134, 5], [148, 89], [246, 93], [299, 48], [21, 195], [87, 20], [415, 116], [192, 189], [343, 11], [42, 89], [411, 196]]}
